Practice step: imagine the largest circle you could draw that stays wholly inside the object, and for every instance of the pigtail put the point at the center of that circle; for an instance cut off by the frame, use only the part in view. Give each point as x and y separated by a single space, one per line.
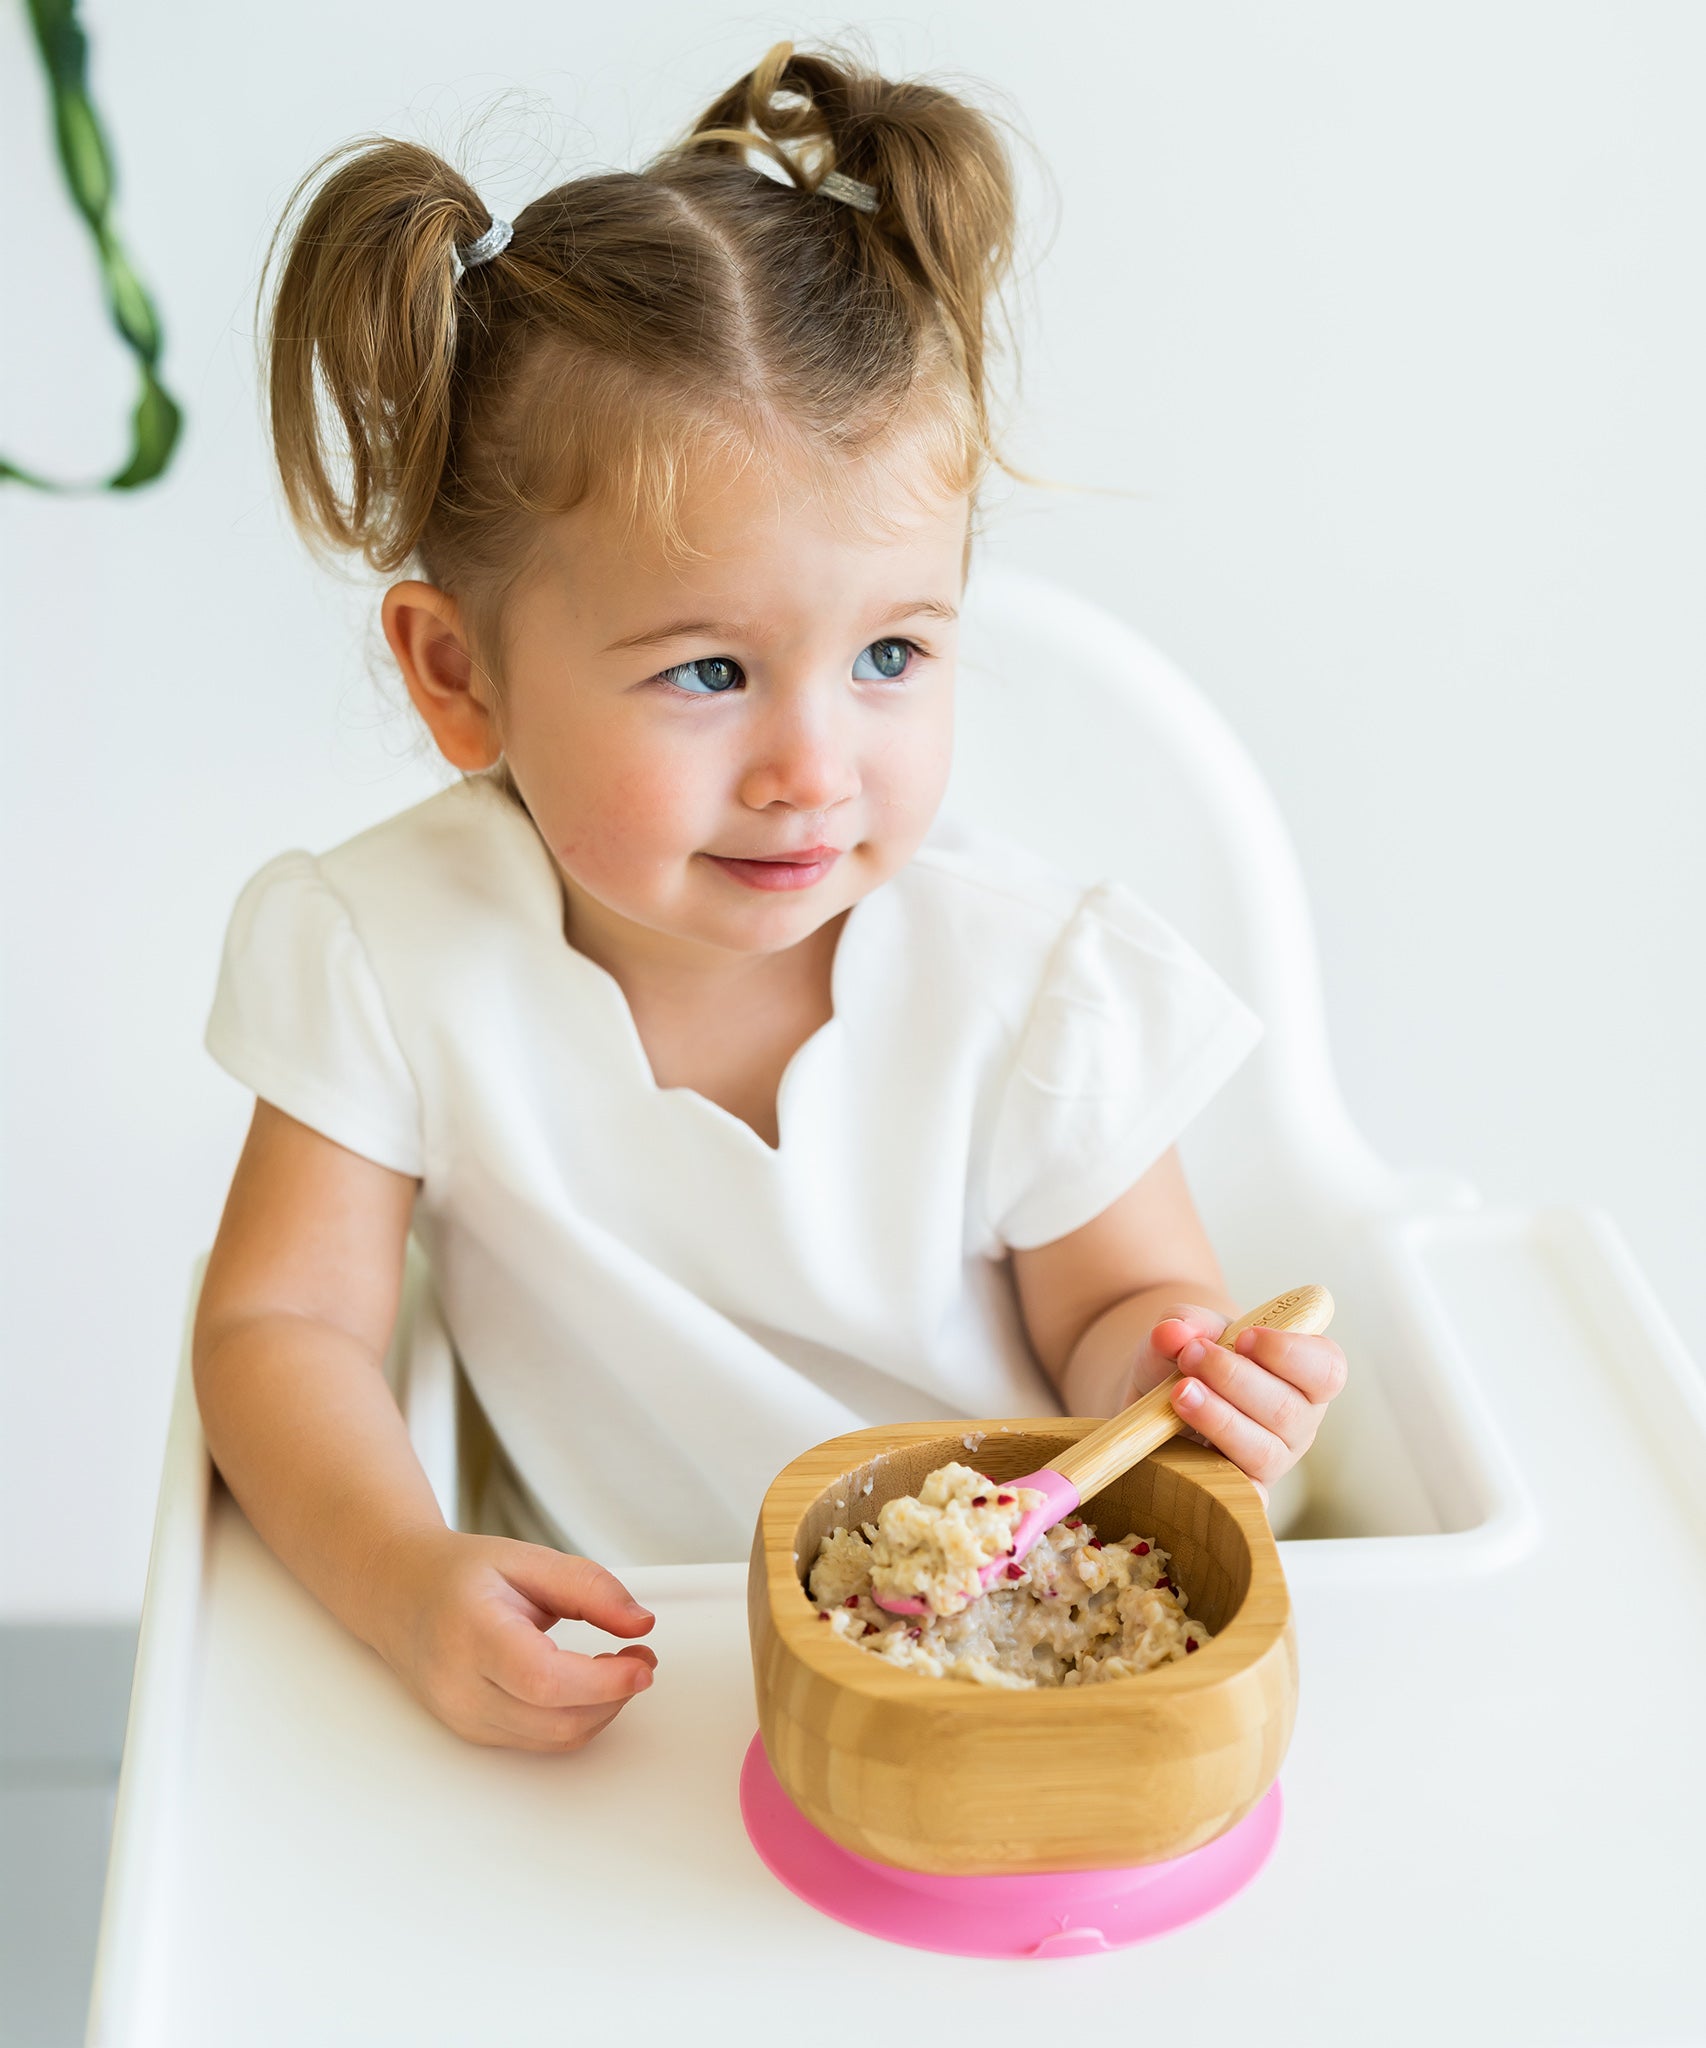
944 227
362 343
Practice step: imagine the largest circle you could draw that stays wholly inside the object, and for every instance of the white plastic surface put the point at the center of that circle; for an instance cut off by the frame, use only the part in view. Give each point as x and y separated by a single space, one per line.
1495 1797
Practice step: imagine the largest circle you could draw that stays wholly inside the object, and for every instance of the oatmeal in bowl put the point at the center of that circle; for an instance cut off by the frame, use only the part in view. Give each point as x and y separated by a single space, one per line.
1077 1609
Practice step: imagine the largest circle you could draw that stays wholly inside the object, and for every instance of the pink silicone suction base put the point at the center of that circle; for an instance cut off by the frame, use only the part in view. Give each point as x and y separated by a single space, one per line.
1059 1913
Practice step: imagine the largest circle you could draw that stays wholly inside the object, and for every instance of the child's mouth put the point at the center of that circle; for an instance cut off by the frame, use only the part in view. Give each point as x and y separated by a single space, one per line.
795 871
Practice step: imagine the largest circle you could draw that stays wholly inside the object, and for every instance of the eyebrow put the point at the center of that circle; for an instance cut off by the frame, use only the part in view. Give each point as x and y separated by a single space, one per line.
723 629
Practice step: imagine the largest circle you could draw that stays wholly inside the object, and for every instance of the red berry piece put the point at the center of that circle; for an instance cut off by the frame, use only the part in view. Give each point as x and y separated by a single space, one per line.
1011 1548
1095 1543
870 1629
1015 1571
1191 1644
916 1634
1072 1522
979 1500
822 1615
1164 1585
1141 1550
1003 1500
852 1600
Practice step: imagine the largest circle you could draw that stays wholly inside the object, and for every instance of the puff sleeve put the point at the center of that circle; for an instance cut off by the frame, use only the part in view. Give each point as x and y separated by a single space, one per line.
299 1017
1131 1034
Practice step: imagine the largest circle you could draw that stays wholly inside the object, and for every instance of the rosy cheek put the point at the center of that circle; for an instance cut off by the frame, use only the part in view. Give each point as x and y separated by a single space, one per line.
651 808
626 820
906 776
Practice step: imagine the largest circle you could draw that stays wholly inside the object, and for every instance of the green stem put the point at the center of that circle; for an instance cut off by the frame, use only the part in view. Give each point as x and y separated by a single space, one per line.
87 165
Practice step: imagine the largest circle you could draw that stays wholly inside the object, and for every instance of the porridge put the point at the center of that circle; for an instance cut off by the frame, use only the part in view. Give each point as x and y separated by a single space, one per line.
1075 1610
932 1546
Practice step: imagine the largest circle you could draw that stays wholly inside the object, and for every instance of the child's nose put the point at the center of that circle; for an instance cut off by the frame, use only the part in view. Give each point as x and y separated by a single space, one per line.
801 760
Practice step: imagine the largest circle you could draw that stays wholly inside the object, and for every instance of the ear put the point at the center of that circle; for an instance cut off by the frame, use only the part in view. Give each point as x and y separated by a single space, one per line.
423 626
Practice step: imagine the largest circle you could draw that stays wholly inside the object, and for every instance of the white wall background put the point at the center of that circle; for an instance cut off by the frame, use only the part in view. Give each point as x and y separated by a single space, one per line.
1392 318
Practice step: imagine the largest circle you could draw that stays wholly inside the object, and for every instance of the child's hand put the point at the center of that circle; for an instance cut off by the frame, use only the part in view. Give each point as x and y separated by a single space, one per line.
1259 1404
464 1627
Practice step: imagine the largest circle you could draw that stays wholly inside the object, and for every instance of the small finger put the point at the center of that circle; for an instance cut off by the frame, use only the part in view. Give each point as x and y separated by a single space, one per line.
516 1725
1314 1365
1263 1396
530 1667
1257 1452
575 1587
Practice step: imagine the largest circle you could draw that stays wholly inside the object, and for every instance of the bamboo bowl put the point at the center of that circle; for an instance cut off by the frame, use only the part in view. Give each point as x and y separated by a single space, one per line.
943 1777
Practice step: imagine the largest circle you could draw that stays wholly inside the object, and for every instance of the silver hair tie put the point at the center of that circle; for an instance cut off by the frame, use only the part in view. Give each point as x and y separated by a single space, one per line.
492 243
852 191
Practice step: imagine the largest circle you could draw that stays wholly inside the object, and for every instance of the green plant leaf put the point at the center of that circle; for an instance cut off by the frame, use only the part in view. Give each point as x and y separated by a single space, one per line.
86 163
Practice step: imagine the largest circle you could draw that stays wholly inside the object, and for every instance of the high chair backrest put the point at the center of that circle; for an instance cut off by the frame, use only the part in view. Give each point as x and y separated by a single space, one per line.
1078 739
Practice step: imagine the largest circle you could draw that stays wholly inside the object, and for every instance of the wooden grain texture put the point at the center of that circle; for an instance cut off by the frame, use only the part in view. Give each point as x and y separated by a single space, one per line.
1105 1452
946 1777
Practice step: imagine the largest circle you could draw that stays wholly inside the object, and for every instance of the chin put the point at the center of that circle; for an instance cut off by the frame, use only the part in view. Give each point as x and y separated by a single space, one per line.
774 931
770 924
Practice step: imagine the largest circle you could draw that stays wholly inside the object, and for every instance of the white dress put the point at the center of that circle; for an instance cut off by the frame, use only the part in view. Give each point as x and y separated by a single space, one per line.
634 1281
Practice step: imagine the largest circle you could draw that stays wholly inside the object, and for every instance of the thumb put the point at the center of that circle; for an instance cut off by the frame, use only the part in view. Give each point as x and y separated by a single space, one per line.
574 1587
1181 1323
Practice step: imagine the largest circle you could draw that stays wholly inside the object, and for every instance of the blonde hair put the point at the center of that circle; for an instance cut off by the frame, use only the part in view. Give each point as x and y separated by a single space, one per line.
636 323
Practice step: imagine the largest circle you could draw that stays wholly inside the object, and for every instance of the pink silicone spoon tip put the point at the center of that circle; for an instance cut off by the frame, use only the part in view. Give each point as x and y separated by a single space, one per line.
1060 1497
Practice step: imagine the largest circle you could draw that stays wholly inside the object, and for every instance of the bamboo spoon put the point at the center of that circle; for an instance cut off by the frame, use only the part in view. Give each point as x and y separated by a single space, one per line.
1091 1463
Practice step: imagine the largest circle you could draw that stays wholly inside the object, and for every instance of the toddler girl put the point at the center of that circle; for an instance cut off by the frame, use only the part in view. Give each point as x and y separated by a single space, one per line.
736 1099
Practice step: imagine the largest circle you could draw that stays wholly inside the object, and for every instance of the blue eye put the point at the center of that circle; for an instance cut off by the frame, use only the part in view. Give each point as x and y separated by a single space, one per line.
889 658
714 676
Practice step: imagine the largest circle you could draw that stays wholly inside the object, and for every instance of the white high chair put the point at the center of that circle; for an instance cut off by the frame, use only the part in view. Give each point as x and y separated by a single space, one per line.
1482 1342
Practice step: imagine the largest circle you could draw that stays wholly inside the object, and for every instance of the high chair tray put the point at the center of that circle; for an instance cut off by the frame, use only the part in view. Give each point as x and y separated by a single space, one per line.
1494 1799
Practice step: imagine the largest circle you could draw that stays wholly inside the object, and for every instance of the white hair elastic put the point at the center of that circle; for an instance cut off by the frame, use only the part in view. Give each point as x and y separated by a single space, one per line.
492 243
851 191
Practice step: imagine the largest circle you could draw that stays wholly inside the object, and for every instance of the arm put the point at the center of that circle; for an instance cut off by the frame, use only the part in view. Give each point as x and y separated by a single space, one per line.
1115 1306
296 1313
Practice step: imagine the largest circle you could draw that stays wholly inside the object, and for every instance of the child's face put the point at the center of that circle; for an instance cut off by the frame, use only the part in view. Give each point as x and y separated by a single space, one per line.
793 756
